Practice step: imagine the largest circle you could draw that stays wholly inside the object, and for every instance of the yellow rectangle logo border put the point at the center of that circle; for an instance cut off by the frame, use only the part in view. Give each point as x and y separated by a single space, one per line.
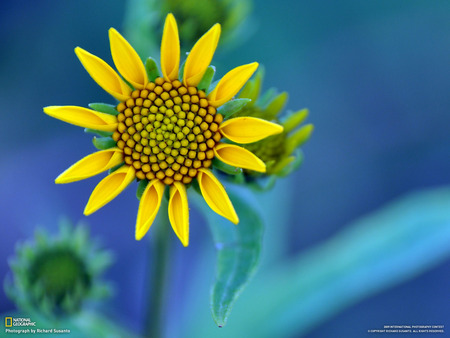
6 321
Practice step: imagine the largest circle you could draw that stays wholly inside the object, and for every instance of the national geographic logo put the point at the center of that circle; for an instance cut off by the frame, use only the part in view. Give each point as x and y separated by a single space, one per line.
8 321
18 321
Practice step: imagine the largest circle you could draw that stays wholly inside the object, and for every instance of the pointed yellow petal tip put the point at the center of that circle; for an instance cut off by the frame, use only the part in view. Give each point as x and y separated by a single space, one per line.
179 212
170 49
108 188
239 157
127 60
215 195
148 207
83 117
200 56
248 129
103 74
91 165
231 84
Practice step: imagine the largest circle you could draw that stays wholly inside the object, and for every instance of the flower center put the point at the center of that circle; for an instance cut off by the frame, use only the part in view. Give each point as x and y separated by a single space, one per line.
167 131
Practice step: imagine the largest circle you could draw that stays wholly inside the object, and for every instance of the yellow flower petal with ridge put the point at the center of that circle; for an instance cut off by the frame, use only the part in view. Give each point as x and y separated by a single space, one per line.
179 212
215 195
248 129
238 157
170 49
108 188
103 74
200 56
231 84
91 165
83 117
148 207
127 60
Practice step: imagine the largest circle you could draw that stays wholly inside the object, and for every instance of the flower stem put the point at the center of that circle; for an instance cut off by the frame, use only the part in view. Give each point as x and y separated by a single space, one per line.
158 275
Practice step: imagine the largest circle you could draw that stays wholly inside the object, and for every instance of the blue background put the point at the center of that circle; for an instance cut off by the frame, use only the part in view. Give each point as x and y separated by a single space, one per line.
374 74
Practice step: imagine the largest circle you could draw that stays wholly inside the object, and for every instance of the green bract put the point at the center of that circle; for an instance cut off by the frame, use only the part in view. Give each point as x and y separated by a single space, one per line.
280 152
55 275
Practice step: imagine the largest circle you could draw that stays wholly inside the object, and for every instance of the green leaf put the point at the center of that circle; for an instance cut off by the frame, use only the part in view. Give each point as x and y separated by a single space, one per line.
102 143
98 132
152 69
232 107
205 82
238 250
388 247
104 108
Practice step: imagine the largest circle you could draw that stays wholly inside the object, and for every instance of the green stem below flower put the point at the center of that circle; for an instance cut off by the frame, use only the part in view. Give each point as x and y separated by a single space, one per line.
159 254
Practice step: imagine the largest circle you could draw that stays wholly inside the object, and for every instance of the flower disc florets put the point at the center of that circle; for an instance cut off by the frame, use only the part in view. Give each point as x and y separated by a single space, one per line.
167 131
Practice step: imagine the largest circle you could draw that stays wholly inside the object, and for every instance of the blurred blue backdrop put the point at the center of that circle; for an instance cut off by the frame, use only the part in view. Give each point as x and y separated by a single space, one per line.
375 76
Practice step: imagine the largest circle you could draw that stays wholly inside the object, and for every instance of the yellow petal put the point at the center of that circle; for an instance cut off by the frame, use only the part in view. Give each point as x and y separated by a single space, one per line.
127 60
148 207
231 83
248 129
91 165
108 188
215 195
179 212
83 117
200 56
103 74
238 157
170 49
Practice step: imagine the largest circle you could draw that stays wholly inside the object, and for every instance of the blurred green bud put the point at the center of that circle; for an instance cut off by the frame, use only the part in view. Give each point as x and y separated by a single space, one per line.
280 152
194 17
55 275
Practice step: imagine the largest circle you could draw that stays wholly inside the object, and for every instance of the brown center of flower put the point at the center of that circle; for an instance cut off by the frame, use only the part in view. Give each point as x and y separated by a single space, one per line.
167 131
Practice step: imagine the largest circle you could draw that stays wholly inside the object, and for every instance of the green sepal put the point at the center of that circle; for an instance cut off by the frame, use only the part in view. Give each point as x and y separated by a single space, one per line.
167 193
181 72
239 178
212 86
196 186
263 184
207 78
289 164
276 105
152 69
298 138
253 88
104 108
102 143
267 97
113 169
226 168
232 107
294 120
140 189
98 132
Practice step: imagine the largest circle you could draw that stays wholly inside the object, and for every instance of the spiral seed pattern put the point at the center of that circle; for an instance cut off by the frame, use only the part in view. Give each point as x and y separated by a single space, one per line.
167 131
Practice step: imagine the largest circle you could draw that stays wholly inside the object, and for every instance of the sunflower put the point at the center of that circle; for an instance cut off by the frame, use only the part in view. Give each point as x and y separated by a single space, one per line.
166 129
